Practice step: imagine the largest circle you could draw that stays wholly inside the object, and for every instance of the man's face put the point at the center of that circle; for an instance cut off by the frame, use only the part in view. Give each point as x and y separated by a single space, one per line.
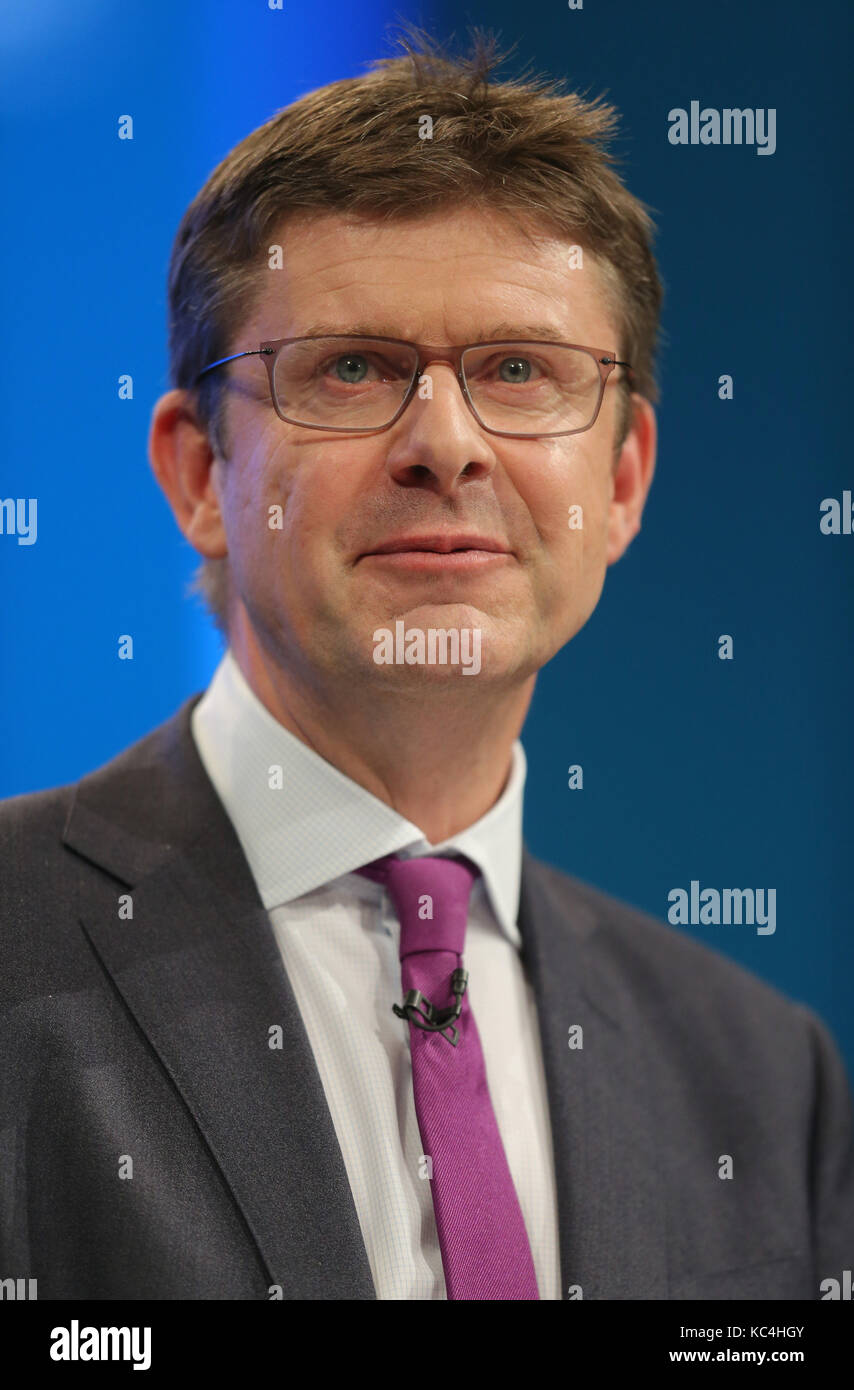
315 590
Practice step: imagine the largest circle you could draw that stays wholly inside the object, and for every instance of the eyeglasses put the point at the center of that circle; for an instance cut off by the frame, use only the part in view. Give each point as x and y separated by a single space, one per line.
362 385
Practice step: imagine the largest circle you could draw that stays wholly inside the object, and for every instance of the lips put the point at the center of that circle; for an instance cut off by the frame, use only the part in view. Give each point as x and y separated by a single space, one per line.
440 544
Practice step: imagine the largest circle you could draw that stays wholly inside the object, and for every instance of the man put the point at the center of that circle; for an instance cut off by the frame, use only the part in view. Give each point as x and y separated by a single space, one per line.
292 1010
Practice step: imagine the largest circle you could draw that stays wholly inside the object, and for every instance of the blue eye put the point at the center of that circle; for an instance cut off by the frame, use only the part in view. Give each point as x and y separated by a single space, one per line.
515 370
349 366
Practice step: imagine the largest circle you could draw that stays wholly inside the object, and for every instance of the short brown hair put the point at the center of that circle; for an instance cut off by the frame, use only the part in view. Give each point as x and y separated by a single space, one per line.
523 147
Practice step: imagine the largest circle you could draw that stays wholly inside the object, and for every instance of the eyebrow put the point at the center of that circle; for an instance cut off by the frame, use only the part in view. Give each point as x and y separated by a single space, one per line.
504 329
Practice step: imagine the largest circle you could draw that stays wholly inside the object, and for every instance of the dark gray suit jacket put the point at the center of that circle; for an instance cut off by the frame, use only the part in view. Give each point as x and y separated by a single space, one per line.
148 1039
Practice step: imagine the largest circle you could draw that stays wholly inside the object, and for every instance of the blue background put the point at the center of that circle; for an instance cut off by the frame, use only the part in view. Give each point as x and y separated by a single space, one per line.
734 773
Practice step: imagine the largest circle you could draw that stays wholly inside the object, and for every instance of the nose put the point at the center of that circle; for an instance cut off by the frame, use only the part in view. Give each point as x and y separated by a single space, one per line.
437 443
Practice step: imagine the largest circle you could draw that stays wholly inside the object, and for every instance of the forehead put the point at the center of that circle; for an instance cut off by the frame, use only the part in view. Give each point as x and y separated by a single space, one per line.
450 277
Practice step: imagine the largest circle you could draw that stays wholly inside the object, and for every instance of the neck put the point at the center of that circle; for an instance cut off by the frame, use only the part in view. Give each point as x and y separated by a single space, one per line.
440 758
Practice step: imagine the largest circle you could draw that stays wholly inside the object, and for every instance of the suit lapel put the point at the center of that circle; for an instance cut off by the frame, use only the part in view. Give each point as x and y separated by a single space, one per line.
199 970
610 1202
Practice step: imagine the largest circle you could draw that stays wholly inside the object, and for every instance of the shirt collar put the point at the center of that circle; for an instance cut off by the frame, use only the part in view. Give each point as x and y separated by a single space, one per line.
302 822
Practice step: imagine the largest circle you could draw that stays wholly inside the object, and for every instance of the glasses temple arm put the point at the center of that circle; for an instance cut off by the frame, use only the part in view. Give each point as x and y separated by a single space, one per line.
255 352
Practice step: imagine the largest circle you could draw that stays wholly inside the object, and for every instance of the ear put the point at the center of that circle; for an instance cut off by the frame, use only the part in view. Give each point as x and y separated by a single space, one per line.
631 478
185 466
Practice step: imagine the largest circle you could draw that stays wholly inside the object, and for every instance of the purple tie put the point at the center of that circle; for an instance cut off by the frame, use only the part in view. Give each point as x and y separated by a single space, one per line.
482 1236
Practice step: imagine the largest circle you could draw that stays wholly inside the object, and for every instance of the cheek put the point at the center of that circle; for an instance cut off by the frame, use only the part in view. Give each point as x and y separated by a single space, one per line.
312 491
256 478
567 495
262 511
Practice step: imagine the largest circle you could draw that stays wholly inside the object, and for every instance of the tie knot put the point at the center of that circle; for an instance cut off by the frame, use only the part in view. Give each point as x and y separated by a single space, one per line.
431 897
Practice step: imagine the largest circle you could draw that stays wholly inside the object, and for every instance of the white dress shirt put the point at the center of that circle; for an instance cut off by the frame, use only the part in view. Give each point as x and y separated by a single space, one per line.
304 831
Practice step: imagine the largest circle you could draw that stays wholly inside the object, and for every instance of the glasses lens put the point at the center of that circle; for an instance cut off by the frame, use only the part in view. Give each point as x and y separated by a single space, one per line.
535 388
343 383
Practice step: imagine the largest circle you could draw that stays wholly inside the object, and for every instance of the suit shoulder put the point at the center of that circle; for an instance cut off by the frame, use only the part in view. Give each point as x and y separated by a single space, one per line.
33 825
705 1016
30 820
663 964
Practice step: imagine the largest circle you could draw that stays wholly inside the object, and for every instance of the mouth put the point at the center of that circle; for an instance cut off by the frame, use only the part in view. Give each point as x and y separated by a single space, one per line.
432 553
